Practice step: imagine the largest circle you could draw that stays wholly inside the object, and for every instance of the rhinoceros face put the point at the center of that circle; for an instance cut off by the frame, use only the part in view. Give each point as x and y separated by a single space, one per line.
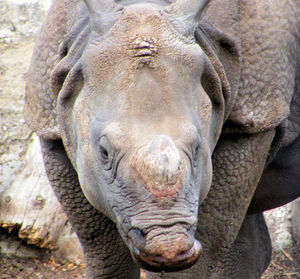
142 131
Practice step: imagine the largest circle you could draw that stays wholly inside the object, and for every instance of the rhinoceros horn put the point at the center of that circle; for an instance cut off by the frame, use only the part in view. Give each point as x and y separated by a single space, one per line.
185 14
103 13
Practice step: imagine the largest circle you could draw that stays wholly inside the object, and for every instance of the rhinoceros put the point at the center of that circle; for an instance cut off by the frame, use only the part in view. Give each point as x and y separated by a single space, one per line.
167 128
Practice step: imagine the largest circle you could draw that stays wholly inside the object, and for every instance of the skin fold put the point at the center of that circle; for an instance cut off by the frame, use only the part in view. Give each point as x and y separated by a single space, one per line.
167 128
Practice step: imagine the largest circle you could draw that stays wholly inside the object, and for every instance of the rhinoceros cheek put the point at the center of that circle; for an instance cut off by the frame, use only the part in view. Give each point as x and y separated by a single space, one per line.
203 180
92 183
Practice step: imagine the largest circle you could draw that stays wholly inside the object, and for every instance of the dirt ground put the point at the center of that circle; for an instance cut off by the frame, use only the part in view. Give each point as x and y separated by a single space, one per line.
285 265
17 268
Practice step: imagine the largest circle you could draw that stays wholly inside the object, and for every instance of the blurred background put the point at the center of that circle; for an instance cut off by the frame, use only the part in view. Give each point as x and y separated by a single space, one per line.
36 240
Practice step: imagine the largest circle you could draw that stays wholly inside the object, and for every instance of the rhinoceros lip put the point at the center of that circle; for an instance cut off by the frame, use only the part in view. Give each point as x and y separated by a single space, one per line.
156 263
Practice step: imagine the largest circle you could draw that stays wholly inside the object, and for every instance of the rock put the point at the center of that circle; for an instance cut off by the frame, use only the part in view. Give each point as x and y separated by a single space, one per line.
296 219
14 133
21 19
284 225
68 246
28 206
11 245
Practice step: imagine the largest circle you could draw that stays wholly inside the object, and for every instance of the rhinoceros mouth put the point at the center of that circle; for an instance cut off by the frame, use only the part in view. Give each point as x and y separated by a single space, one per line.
157 263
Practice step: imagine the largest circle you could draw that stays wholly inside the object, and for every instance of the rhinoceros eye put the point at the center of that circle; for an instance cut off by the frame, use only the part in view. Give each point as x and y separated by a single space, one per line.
106 152
103 153
196 152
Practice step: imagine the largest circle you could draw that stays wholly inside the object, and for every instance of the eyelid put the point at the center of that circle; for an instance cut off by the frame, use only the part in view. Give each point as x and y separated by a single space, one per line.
105 145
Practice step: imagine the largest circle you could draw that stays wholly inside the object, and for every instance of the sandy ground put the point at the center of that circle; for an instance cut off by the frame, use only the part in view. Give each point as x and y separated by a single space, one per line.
285 265
16 268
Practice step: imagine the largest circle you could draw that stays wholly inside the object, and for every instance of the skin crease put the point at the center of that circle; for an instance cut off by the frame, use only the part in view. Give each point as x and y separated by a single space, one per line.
143 85
156 87
99 237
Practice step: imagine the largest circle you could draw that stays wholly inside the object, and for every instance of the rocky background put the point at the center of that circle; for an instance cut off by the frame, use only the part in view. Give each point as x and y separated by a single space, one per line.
27 204
24 186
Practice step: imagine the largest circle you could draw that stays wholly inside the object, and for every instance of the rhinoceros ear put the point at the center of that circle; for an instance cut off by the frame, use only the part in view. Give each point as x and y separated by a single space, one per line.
103 14
185 14
260 88
55 57
40 106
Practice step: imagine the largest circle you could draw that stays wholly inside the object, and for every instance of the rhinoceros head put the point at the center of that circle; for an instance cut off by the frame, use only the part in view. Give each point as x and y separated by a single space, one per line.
140 113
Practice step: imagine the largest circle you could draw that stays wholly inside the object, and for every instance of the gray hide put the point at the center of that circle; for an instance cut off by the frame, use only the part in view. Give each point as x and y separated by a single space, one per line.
167 127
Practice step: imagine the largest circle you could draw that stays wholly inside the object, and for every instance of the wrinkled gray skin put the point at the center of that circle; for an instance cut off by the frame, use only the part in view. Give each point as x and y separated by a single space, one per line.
167 128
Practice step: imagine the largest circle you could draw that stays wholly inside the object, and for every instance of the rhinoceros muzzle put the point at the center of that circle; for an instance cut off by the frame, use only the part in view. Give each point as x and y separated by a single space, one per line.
157 263
166 245
164 249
